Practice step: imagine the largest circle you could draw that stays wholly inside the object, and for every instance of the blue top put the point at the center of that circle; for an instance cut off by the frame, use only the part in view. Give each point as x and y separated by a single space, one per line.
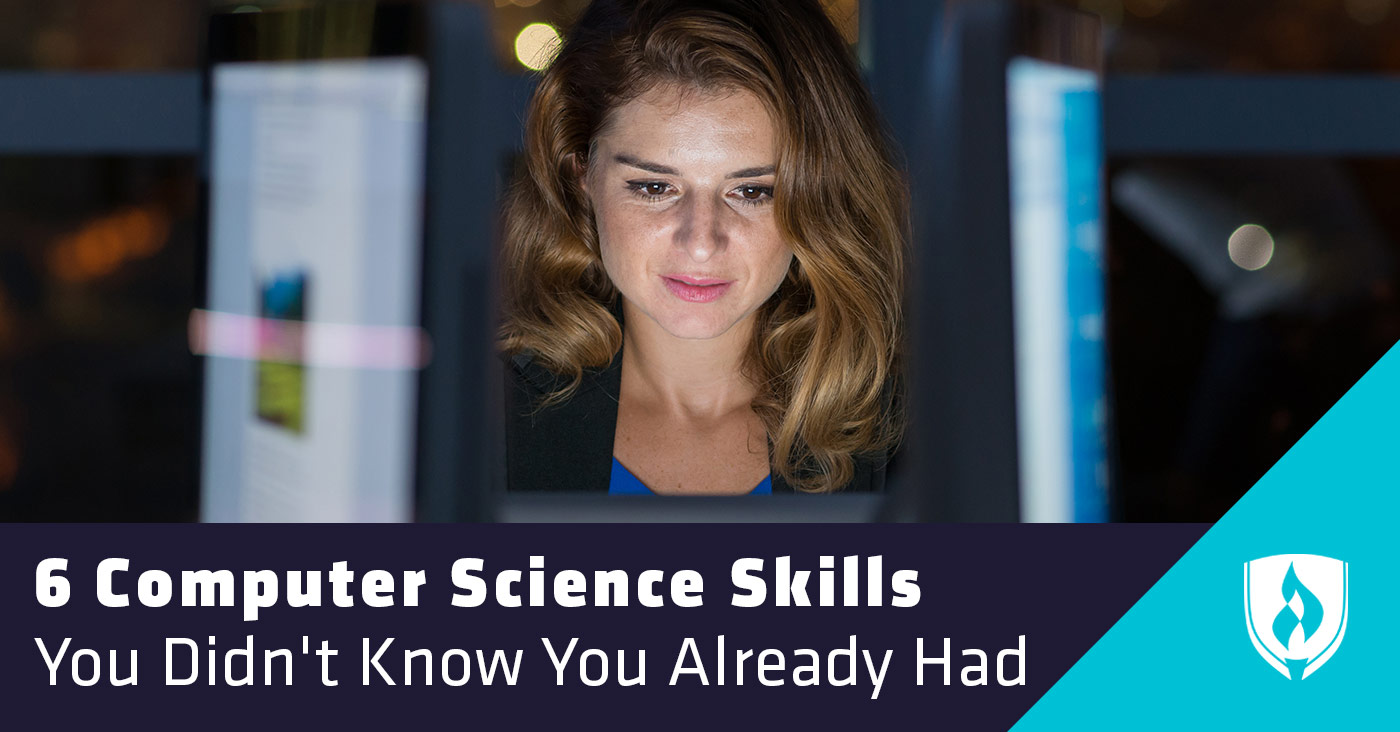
624 483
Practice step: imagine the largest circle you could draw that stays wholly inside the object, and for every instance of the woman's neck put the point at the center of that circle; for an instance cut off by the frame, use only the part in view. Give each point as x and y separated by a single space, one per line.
693 378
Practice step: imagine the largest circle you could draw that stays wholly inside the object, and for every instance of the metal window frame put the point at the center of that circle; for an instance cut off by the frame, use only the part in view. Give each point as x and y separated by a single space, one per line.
152 114
116 113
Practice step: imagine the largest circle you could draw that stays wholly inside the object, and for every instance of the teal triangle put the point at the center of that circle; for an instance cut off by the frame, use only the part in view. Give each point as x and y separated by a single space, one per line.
1182 657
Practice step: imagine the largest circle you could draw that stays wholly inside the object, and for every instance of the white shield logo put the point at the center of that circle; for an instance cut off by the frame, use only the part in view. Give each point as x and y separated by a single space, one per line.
1295 607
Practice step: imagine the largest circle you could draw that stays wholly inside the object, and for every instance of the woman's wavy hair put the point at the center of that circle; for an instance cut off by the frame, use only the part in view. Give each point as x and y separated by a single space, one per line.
826 348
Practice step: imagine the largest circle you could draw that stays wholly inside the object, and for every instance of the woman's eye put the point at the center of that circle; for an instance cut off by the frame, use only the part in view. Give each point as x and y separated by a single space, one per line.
754 194
649 188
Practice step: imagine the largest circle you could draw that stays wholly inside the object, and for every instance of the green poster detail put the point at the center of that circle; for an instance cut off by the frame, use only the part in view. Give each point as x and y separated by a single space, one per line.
1283 615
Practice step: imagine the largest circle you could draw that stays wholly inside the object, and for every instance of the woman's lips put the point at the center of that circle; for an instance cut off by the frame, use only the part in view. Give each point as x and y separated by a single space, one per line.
696 289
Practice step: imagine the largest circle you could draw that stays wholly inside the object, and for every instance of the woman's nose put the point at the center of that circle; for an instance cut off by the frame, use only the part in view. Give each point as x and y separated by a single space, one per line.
702 231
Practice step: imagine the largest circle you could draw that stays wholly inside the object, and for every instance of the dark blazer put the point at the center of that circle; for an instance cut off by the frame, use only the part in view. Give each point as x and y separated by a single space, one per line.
569 447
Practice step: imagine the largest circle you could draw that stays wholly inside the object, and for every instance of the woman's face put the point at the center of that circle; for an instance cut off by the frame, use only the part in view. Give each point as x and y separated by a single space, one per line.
681 183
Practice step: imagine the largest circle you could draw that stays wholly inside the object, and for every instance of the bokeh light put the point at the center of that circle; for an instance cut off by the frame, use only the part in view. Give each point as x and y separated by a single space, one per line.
536 45
102 246
1251 247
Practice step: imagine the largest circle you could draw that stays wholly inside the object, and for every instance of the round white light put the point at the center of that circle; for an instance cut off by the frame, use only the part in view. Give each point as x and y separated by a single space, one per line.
536 45
1251 247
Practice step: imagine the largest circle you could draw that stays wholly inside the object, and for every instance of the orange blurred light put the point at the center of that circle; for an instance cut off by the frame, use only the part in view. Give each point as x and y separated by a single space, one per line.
105 244
99 251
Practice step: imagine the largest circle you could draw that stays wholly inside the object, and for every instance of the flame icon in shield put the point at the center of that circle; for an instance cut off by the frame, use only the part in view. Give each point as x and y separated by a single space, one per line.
1295 608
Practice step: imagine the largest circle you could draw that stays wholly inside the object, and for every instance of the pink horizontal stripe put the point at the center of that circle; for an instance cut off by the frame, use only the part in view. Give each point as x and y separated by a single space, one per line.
332 345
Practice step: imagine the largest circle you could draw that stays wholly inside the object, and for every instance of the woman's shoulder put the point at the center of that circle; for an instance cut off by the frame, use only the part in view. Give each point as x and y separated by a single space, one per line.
870 472
559 445
527 372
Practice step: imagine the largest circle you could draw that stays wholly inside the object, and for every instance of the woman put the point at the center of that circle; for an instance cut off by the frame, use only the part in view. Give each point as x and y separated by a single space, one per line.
704 263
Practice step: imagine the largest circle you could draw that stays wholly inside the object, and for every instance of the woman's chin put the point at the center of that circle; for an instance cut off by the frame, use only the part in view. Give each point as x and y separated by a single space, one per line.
694 326
697 333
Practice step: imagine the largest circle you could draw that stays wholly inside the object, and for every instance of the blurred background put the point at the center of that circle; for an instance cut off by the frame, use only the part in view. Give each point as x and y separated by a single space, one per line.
1251 241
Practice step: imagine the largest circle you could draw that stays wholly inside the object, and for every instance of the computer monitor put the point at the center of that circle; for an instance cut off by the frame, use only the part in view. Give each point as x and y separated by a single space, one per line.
348 314
1010 417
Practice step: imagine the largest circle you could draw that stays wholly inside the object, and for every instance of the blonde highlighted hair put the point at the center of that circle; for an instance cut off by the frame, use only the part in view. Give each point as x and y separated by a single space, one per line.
826 350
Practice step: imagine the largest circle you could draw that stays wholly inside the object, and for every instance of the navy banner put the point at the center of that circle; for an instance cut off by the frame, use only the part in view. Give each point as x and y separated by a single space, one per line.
962 626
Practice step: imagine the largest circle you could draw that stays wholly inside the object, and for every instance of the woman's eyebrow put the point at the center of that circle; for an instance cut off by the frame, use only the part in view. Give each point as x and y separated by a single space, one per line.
660 169
644 165
754 172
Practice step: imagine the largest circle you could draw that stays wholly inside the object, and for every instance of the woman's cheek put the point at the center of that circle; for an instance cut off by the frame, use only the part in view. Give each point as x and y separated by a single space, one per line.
621 238
640 233
780 272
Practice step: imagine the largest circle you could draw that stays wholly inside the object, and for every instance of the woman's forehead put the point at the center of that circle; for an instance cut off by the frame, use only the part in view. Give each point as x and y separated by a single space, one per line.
676 125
